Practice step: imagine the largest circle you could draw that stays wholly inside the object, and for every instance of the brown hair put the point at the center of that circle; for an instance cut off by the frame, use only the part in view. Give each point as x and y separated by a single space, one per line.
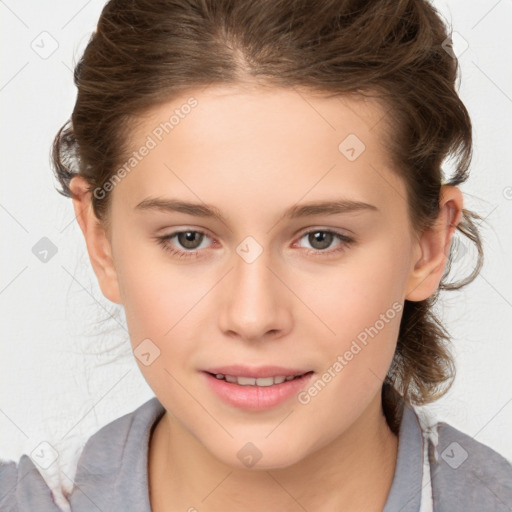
145 52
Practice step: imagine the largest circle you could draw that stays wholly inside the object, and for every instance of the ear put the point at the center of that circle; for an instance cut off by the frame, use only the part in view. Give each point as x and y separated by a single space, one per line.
434 246
98 243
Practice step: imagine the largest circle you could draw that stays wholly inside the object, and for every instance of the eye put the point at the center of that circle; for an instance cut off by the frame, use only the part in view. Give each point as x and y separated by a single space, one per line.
321 239
190 240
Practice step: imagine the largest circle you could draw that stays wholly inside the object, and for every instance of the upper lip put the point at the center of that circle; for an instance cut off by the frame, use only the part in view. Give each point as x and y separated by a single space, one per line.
256 372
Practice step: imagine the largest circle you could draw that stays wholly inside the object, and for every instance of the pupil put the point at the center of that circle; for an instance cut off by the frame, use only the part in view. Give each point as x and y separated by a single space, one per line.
321 237
186 239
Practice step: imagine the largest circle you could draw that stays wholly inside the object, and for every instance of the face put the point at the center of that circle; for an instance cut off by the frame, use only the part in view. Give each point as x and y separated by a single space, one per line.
266 287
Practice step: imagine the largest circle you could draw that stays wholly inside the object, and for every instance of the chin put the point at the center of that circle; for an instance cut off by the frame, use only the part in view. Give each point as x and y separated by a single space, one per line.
254 456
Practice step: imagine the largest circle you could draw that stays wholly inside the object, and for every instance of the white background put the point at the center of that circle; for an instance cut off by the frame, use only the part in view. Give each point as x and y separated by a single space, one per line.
57 383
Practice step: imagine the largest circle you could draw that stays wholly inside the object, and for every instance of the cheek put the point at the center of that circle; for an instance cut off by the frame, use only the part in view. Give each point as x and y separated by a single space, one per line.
159 309
352 295
361 303
160 306
156 293
160 301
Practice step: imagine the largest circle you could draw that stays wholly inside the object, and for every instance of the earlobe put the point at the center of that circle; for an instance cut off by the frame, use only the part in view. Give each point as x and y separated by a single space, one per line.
433 247
98 245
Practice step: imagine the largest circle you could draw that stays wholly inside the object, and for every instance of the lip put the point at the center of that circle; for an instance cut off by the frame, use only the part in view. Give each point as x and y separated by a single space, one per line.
256 398
256 372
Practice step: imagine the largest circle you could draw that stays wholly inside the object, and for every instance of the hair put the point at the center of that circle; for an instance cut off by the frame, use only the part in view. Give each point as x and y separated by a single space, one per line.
147 52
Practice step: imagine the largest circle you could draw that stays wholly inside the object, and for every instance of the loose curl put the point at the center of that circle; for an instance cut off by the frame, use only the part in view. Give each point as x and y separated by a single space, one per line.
146 52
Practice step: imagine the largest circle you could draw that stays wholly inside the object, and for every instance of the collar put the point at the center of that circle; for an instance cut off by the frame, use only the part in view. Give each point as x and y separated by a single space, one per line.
112 469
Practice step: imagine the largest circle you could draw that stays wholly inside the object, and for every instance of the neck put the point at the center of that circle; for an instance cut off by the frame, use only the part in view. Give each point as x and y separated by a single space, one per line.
183 474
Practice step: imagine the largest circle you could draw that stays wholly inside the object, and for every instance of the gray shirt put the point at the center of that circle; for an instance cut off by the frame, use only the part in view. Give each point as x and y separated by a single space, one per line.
443 470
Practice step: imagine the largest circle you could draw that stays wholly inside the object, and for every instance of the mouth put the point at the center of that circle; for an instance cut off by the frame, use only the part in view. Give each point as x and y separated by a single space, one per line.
257 381
254 389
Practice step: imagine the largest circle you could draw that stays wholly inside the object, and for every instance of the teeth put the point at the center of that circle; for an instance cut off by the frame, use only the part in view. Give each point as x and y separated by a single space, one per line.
246 381
267 381
252 381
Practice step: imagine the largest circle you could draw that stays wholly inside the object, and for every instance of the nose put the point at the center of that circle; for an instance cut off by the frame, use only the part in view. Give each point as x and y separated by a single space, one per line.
255 303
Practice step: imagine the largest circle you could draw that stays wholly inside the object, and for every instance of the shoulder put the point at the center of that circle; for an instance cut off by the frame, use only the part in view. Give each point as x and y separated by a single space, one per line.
23 488
467 474
112 468
106 450
104 472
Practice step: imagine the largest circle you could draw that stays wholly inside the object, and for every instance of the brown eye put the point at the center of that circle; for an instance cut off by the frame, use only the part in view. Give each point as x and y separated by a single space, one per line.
321 242
190 239
183 244
320 239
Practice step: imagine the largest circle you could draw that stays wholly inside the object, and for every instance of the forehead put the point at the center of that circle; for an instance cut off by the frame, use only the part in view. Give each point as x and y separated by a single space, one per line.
225 112
251 109
262 143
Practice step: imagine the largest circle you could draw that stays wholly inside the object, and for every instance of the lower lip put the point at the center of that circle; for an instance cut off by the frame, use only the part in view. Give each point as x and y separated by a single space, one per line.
256 398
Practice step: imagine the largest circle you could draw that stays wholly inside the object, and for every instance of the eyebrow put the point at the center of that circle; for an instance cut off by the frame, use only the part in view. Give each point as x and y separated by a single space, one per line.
339 206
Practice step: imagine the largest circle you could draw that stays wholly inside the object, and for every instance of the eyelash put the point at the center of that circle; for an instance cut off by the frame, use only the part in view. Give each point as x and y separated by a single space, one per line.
164 242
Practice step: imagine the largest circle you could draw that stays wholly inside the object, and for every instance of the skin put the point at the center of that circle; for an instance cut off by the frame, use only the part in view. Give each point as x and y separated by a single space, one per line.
252 153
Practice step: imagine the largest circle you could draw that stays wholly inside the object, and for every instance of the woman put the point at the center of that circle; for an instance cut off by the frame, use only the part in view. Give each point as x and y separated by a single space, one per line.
260 185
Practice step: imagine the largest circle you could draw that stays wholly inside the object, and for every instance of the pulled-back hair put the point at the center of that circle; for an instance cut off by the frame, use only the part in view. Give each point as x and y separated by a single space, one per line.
146 52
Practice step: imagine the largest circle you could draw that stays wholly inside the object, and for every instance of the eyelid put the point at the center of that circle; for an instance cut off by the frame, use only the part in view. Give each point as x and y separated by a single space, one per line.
345 240
326 229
